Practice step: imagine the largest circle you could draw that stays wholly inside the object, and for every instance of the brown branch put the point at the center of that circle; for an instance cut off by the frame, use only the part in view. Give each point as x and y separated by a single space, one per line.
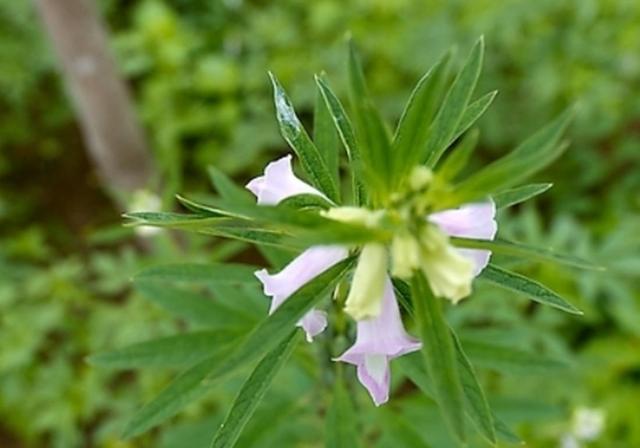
113 137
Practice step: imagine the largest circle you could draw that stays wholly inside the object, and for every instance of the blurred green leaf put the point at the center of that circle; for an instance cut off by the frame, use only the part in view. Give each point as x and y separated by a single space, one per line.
341 424
267 335
178 350
459 157
511 360
252 392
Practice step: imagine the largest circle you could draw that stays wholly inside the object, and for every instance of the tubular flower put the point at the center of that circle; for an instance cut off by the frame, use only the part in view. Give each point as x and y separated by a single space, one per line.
378 341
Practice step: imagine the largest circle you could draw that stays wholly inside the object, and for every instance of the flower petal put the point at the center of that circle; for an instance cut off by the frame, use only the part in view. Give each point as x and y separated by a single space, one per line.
374 375
305 267
470 221
279 183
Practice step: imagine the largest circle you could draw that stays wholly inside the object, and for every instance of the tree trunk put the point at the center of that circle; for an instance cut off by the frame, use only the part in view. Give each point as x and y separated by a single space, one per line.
113 136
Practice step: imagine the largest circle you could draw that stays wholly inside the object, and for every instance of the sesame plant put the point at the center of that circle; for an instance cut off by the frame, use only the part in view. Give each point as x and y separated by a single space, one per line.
370 248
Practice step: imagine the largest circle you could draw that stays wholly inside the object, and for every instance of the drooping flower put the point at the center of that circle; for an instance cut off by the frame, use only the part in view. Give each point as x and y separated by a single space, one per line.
304 268
278 183
378 341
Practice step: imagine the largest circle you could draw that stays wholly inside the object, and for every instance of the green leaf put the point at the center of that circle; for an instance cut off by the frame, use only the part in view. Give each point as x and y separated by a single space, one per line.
472 113
530 157
401 431
454 106
252 392
297 137
325 136
185 388
370 129
179 350
438 349
513 196
306 201
200 273
347 137
413 366
413 127
341 421
511 360
272 331
477 404
523 250
173 220
459 157
527 287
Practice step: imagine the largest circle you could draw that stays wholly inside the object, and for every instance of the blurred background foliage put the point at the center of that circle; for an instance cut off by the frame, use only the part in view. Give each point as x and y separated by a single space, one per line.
197 69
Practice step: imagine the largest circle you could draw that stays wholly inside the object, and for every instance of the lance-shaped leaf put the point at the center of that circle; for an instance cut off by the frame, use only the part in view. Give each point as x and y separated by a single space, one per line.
252 392
272 331
179 350
472 113
531 156
199 273
527 287
342 420
325 136
306 200
172 220
370 129
514 196
525 251
414 125
454 106
297 137
438 349
192 306
413 366
347 137
475 398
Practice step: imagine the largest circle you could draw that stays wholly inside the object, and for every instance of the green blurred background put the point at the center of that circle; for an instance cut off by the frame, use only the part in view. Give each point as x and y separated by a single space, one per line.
197 71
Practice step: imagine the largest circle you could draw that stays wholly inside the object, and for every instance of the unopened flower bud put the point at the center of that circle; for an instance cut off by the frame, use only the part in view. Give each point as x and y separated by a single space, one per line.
367 288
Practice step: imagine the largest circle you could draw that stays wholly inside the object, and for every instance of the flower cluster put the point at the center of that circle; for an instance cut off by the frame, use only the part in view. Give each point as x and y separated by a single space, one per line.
421 242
